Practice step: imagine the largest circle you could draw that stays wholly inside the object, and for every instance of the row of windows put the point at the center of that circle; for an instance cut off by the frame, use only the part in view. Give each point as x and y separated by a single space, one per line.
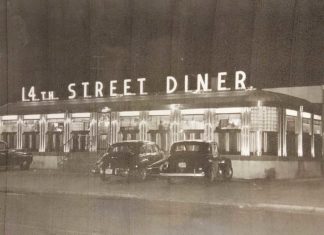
225 130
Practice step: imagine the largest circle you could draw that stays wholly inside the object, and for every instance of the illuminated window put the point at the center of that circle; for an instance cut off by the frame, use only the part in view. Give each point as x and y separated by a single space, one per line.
129 126
264 119
317 127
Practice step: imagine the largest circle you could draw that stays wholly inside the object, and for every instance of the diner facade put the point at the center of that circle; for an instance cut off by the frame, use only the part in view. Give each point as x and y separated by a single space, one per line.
243 123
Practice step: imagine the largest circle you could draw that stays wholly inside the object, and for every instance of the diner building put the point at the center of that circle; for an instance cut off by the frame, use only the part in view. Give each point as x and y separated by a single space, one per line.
247 124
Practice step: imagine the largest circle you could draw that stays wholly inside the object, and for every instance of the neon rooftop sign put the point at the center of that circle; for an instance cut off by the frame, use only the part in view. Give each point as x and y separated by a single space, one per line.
100 89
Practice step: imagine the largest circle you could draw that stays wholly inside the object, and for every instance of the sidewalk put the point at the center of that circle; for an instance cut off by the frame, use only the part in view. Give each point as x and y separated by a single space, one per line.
301 195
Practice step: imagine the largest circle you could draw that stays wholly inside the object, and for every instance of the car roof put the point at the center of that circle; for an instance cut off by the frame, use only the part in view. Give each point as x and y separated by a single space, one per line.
194 141
134 141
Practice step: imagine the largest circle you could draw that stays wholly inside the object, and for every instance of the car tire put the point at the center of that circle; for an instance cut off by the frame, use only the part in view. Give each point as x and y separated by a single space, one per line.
25 165
212 173
142 174
228 174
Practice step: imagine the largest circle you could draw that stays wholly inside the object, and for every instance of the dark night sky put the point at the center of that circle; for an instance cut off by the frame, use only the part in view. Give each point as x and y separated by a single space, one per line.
51 43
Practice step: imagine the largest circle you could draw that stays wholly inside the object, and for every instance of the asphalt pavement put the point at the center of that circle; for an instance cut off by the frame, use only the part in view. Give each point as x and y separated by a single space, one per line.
33 214
54 202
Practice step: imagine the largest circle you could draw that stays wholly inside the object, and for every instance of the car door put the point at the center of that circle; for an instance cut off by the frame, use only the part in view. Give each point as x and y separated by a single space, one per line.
158 155
3 154
150 153
144 155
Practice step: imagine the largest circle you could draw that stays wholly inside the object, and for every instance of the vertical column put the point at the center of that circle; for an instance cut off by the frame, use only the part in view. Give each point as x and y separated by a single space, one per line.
114 127
259 143
20 132
265 141
260 118
175 125
67 133
300 132
227 142
322 131
42 133
143 125
312 136
93 132
282 132
208 119
1 130
108 123
245 131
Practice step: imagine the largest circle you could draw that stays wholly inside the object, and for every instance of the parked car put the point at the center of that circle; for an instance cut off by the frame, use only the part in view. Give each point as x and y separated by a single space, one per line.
131 159
196 158
14 157
95 169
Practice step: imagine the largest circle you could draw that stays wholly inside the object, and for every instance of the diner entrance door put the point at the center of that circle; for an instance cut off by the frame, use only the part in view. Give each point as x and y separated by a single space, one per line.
228 141
193 134
30 141
10 138
80 141
160 137
54 141
129 133
291 143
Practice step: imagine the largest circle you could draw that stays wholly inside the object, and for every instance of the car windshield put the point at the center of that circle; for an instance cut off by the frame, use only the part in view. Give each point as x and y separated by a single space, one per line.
125 148
190 147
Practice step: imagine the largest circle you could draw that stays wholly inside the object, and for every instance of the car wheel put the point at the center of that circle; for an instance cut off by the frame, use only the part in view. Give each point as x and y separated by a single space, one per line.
228 174
24 165
142 174
212 173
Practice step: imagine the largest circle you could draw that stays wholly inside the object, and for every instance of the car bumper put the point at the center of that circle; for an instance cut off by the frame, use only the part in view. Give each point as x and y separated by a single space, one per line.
117 172
202 174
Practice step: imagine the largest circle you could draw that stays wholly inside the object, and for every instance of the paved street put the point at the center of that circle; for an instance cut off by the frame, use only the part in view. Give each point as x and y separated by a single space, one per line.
51 202
57 214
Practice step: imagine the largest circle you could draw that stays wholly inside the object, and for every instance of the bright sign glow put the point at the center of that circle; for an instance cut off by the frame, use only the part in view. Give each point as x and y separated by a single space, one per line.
291 112
160 113
9 117
32 117
129 113
55 116
193 111
317 117
306 115
228 110
80 115
202 83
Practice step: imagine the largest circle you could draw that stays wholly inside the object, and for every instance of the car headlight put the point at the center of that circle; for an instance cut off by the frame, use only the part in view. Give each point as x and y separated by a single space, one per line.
164 166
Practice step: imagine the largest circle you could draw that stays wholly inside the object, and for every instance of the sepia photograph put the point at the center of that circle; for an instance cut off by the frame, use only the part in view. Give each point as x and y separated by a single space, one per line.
161 117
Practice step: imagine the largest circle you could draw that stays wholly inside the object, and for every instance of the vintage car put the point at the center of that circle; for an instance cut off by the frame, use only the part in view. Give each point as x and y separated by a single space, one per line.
135 159
196 158
14 157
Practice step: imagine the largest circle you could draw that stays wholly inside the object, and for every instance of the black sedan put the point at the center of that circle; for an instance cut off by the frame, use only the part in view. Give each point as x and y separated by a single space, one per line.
196 158
14 157
131 159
